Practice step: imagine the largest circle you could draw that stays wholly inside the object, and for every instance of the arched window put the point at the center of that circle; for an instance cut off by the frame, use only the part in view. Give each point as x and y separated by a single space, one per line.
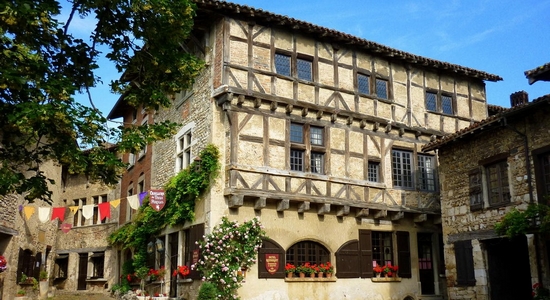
307 251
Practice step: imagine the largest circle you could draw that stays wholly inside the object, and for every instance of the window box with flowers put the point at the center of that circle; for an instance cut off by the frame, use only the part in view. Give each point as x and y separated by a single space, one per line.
181 273
310 273
157 275
387 273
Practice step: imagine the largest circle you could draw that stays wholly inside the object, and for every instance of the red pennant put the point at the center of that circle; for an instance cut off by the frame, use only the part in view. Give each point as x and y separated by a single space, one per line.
66 227
58 212
104 210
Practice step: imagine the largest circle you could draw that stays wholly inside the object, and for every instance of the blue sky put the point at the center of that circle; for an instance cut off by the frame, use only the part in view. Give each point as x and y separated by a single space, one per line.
502 37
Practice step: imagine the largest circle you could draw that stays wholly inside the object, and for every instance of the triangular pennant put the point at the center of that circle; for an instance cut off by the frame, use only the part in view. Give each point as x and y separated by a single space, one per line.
73 209
43 214
115 203
133 201
104 210
28 211
58 212
142 196
88 211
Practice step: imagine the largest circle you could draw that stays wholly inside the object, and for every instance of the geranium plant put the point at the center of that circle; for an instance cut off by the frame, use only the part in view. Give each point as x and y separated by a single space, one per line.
378 269
3 263
157 274
181 271
326 268
306 268
290 268
229 249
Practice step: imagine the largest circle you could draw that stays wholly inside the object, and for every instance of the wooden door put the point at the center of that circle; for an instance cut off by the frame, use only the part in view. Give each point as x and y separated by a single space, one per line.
426 264
173 244
82 271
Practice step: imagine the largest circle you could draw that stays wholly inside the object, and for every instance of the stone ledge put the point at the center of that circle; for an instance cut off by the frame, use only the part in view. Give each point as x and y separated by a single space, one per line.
310 279
386 279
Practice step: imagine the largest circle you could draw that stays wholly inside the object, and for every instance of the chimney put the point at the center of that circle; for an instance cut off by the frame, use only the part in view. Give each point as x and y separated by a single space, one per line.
519 98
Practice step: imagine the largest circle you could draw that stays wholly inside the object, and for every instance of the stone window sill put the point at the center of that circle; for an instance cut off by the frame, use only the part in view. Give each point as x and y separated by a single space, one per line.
386 279
310 279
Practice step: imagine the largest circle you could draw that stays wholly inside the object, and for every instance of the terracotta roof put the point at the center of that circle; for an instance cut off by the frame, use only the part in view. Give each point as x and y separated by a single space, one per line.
538 73
495 109
492 120
323 33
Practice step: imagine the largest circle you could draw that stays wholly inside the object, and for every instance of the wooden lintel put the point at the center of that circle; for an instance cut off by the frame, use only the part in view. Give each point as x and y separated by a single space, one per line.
304 206
257 103
437 220
235 201
362 213
283 205
343 211
260 203
380 214
419 218
397 215
323 209
240 100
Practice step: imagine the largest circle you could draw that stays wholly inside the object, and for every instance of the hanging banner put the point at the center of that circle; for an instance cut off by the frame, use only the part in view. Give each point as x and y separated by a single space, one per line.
157 199
272 262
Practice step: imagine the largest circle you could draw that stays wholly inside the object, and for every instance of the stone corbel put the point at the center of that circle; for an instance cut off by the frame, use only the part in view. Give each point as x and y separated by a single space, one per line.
323 209
235 201
380 214
343 211
362 213
304 206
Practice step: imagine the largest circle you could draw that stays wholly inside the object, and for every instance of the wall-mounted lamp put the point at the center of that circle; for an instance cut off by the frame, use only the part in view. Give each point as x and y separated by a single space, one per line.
150 247
198 162
160 245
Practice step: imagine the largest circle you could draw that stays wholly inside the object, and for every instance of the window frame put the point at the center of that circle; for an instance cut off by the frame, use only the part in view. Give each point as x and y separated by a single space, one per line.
464 259
373 171
308 146
377 91
500 185
289 65
380 247
425 172
475 184
367 77
184 147
439 102
97 260
307 251
404 178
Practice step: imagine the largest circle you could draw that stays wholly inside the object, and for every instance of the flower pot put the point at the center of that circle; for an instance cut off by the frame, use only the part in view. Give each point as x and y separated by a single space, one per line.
320 274
386 275
44 286
377 275
312 275
329 275
289 275
302 275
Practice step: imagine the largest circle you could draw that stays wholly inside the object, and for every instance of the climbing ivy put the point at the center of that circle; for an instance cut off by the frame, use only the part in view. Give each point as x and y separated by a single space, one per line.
181 193
535 219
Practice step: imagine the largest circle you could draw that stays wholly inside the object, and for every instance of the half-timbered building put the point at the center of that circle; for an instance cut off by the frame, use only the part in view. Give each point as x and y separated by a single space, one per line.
321 135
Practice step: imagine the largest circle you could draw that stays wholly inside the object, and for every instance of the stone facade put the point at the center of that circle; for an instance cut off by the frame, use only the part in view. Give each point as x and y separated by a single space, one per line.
503 137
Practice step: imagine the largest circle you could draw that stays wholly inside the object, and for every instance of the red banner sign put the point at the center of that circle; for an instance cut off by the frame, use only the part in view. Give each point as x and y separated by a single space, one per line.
272 263
157 199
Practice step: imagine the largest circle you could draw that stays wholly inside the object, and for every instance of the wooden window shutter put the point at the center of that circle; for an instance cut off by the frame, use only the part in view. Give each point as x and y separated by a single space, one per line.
365 253
347 260
404 254
37 264
464 263
20 265
195 234
271 247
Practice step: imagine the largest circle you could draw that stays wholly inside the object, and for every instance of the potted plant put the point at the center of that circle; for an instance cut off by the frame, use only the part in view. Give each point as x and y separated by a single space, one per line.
327 269
390 271
378 270
20 293
290 269
44 284
158 274
181 271
305 269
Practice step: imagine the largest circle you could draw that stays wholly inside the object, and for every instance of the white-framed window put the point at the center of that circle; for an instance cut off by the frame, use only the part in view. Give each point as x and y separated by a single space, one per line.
184 142
307 142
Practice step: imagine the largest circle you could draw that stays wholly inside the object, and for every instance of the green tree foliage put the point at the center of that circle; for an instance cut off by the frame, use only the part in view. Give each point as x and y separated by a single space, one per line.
42 67
535 219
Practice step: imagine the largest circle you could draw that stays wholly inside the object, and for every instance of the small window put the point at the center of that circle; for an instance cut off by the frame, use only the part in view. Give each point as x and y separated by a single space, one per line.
426 172
382 88
296 160
317 162
402 169
363 84
282 64
439 103
382 248
297 133
98 262
142 152
447 104
183 149
316 136
61 267
304 69
497 183
307 151
373 171
131 159
431 101
476 192
307 251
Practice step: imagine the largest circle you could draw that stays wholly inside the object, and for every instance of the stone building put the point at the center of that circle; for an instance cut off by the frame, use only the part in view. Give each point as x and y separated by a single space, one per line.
321 135
31 241
486 170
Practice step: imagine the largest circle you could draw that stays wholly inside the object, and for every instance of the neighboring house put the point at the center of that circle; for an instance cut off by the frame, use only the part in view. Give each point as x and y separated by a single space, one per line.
79 259
321 135
487 169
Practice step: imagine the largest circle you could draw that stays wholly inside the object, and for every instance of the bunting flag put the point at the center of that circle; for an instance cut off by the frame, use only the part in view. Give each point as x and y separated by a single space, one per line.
66 227
88 211
133 201
115 203
104 210
28 211
44 213
20 207
142 196
58 212
73 209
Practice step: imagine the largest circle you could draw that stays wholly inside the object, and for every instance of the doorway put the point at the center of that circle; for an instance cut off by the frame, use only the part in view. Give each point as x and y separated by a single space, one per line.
509 270
425 264
82 271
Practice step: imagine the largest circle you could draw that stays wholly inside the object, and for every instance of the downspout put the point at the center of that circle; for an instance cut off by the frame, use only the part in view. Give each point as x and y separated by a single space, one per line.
530 186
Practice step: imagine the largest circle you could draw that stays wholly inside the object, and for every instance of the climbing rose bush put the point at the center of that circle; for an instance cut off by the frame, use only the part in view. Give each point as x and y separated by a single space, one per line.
230 248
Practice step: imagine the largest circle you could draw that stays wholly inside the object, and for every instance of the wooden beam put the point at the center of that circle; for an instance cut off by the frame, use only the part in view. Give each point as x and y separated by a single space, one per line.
319 114
273 106
289 108
283 205
343 211
362 213
323 209
380 214
397 215
304 206
260 203
419 218
240 100
235 201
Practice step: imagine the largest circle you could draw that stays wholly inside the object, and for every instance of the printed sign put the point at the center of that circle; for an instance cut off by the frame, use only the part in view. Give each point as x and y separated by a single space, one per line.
271 263
157 199
195 256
